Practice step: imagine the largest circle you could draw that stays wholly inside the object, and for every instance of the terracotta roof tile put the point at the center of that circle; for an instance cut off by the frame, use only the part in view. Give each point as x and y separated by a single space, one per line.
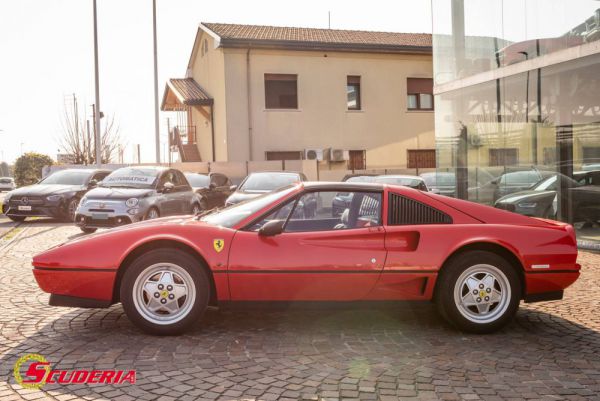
188 90
236 35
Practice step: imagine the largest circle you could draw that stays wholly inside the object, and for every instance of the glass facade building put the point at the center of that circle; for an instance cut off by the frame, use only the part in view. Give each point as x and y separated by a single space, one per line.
517 95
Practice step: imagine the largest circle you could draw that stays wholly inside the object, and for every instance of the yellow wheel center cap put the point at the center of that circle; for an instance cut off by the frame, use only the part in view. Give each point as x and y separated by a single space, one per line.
164 293
482 293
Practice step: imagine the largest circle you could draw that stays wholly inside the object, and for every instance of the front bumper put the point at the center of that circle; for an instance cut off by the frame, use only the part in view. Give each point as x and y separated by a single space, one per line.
94 284
42 210
99 214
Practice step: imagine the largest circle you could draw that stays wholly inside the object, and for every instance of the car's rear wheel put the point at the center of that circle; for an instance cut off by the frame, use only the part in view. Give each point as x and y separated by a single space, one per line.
478 292
152 214
165 291
17 218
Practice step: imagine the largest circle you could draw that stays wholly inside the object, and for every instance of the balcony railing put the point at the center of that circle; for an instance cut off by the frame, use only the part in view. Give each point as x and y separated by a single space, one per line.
182 135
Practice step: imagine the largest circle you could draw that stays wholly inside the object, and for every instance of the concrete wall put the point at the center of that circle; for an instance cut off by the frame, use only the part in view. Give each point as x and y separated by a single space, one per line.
209 71
384 127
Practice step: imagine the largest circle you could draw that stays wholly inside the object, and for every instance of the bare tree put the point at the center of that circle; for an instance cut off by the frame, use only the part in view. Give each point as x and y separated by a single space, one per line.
78 139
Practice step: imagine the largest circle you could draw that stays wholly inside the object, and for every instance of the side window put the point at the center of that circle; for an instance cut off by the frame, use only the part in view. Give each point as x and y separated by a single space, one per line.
219 180
100 176
328 210
167 176
281 213
181 180
406 211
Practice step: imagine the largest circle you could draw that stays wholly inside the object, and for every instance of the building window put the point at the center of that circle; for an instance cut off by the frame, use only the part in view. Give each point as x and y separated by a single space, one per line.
357 159
504 157
353 92
284 155
421 158
281 91
419 94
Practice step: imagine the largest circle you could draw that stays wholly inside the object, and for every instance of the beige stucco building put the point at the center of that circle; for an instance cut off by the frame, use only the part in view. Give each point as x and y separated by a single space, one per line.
355 99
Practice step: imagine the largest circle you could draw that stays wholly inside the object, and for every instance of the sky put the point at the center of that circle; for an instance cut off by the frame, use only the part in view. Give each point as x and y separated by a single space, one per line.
47 55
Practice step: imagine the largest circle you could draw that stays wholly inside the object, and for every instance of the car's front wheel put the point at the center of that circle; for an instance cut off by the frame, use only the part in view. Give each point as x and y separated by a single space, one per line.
152 214
165 291
17 218
478 292
69 215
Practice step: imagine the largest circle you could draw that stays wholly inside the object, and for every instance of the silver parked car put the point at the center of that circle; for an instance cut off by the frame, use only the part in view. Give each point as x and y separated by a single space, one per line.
7 184
132 194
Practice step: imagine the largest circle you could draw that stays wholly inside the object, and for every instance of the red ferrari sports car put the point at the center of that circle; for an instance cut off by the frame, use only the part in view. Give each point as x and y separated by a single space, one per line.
390 244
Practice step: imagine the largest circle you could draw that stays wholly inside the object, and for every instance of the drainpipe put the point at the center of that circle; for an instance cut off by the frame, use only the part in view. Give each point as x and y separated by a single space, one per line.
249 104
212 130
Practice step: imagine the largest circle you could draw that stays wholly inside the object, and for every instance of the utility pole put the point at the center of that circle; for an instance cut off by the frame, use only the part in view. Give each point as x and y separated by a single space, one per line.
88 155
97 89
156 125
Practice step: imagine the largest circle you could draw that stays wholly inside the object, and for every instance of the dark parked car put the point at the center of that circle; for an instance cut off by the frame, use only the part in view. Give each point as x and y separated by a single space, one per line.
505 184
213 189
56 196
541 199
442 183
132 194
256 184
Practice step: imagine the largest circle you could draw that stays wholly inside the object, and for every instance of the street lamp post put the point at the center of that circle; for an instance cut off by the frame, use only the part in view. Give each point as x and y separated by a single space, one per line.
97 90
156 125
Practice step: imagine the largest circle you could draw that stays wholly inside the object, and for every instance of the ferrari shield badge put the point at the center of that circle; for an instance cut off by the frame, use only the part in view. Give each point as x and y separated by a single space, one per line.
218 244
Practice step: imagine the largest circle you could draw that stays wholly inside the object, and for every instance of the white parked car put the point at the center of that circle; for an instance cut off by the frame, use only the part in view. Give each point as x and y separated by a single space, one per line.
7 184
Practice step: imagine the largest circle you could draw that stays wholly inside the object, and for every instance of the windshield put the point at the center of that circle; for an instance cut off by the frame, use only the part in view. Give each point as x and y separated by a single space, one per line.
130 177
404 181
436 179
265 182
233 215
550 183
197 180
67 177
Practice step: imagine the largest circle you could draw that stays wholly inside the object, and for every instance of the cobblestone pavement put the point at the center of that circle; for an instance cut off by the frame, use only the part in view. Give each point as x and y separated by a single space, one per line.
551 351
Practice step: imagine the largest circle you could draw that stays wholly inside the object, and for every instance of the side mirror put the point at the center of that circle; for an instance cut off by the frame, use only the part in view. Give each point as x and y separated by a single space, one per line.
272 228
168 187
233 187
92 184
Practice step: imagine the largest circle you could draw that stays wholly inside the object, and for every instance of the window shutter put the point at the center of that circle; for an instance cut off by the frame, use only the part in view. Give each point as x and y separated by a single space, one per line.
419 85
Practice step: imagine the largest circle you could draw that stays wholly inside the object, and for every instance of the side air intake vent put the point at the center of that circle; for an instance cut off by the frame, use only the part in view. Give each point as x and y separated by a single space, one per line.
405 211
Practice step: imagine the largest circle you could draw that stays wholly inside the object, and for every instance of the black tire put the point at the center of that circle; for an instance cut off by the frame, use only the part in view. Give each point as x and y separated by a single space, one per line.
88 230
18 219
172 256
203 204
147 216
69 215
196 208
451 273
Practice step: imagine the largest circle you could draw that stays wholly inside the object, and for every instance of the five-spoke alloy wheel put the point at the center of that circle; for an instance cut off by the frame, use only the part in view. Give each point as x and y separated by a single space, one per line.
165 291
478 291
